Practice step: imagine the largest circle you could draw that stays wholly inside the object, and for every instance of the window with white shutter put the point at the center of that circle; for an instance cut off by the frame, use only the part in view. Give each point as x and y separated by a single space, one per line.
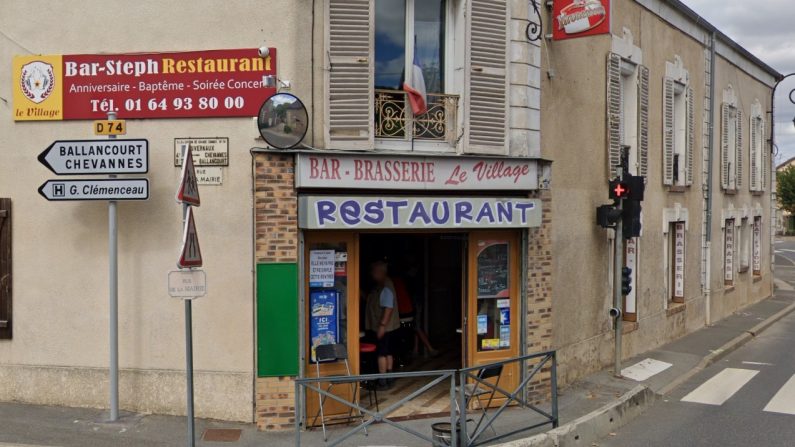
738 141
349 74
730 143
487 77
678 125
756 155
627 114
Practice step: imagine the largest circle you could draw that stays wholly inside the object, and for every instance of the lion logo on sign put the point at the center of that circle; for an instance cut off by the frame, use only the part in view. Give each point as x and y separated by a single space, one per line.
37 81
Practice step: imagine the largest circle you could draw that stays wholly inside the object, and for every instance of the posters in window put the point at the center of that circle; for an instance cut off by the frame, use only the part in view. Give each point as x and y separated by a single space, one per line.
321 268
679 260
728 253
631 261
757 250
324 320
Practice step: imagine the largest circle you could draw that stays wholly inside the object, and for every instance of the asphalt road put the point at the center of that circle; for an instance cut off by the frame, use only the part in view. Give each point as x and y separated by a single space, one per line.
746 399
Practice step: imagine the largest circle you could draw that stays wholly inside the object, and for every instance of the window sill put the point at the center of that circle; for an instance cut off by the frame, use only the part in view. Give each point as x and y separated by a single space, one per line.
731 192
675 308
729 288
757 193
629 327
677 188
757 278
743 270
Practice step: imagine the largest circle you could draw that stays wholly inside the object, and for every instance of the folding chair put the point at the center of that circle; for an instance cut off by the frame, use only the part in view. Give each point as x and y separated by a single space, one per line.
327 354
475 391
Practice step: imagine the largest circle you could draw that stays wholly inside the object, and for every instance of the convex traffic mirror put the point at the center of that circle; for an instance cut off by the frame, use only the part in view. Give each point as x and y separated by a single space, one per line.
283 121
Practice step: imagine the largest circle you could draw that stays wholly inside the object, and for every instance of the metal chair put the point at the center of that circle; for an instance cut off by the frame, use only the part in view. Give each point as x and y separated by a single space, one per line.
474 390
327 354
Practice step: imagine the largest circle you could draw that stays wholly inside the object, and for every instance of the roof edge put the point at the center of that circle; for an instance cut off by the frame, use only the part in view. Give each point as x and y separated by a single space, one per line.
694 16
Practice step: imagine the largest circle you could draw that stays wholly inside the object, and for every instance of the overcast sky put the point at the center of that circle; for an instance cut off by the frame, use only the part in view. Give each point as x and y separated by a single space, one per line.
767 29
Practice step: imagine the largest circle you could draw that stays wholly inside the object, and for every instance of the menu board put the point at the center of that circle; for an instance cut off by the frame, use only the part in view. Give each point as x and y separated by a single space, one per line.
493 270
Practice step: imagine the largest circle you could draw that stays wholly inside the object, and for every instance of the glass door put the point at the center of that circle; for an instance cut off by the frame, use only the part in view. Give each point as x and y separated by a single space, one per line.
331 291
493 302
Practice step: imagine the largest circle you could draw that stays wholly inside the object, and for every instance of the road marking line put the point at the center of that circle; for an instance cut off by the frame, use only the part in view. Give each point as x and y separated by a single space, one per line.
721 386
782 285
644 369
784 400
758 363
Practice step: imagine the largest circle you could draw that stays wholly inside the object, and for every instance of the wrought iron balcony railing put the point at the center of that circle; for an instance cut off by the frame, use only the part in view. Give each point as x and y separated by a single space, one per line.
394 119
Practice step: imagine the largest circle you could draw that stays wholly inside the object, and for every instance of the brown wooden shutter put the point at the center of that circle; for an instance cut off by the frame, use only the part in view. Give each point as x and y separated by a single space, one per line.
349 74
613 112
724 146
691 134
5 268
754 186
487 77
643 121
668 131
739 152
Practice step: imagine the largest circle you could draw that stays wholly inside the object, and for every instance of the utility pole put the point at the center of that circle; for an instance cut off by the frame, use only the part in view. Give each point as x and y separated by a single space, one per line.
618 258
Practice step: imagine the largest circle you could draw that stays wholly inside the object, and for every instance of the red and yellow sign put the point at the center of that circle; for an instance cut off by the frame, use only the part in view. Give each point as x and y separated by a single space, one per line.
194 84
580 18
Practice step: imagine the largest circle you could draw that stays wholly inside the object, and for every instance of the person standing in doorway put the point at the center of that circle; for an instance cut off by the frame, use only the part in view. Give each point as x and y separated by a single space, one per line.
382 318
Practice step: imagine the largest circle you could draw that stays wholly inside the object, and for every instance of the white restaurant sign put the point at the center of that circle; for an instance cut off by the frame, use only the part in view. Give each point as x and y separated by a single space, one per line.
412 172
757 249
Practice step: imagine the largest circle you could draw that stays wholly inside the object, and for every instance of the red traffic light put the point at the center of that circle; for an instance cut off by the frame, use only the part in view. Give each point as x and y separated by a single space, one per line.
619 189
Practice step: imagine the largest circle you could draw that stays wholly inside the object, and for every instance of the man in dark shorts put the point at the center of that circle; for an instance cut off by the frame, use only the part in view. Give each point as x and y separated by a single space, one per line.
381 317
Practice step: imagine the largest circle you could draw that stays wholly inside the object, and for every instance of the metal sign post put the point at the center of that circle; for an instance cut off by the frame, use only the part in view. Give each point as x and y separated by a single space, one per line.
190 257
113 298
618 298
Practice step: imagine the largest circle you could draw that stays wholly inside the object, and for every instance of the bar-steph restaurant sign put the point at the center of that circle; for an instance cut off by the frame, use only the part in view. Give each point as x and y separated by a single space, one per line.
212 83
353 171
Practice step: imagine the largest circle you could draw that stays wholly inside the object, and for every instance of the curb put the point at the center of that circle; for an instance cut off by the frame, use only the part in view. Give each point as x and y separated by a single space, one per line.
727 348
597 424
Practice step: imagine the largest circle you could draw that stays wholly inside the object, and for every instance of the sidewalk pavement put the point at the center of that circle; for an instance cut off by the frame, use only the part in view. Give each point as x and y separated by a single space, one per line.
589 409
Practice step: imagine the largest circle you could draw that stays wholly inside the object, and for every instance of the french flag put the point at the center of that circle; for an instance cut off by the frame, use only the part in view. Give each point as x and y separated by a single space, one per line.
416 90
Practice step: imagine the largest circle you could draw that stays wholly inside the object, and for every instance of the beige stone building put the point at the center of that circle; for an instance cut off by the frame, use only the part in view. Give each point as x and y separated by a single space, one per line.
693 108
454 194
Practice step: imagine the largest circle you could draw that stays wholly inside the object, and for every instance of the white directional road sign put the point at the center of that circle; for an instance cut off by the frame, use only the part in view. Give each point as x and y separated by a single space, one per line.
96 189
187 283
83 157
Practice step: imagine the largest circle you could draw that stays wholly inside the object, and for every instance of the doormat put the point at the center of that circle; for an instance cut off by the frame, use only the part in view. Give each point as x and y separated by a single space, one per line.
222 434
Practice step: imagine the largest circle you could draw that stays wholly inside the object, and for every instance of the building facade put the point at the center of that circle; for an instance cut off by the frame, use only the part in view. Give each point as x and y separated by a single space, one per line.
458 191
692 109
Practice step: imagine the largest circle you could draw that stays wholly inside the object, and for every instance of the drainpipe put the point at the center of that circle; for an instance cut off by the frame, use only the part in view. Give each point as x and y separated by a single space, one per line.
710 158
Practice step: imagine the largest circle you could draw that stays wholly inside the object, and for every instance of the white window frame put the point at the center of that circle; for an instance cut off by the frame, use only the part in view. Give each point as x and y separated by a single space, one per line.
631 60
453 78
744 239
730 130
680 78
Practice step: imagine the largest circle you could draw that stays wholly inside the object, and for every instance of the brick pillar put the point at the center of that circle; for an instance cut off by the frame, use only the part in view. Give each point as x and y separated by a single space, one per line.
539 295
276 228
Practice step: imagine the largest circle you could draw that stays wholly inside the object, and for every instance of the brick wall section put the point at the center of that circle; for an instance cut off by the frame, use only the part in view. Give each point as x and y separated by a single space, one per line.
539 295
276 226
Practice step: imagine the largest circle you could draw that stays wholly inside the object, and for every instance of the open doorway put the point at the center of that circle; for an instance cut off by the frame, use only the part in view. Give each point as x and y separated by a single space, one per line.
427 273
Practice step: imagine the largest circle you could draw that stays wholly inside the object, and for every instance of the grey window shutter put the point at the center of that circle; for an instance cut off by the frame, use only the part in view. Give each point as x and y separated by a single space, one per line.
643 120
739 152
765 156
613 112
724 147
5 268
691 134
349 75
487 77
754 186
668 131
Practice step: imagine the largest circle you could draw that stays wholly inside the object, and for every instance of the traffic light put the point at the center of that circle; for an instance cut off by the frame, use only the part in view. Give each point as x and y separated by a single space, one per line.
607 216
626 280
630 187
631 223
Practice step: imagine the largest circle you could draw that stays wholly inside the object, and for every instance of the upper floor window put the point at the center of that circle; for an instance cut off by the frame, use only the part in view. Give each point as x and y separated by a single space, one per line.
627 106
410 71
731 142
758 155
678 126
